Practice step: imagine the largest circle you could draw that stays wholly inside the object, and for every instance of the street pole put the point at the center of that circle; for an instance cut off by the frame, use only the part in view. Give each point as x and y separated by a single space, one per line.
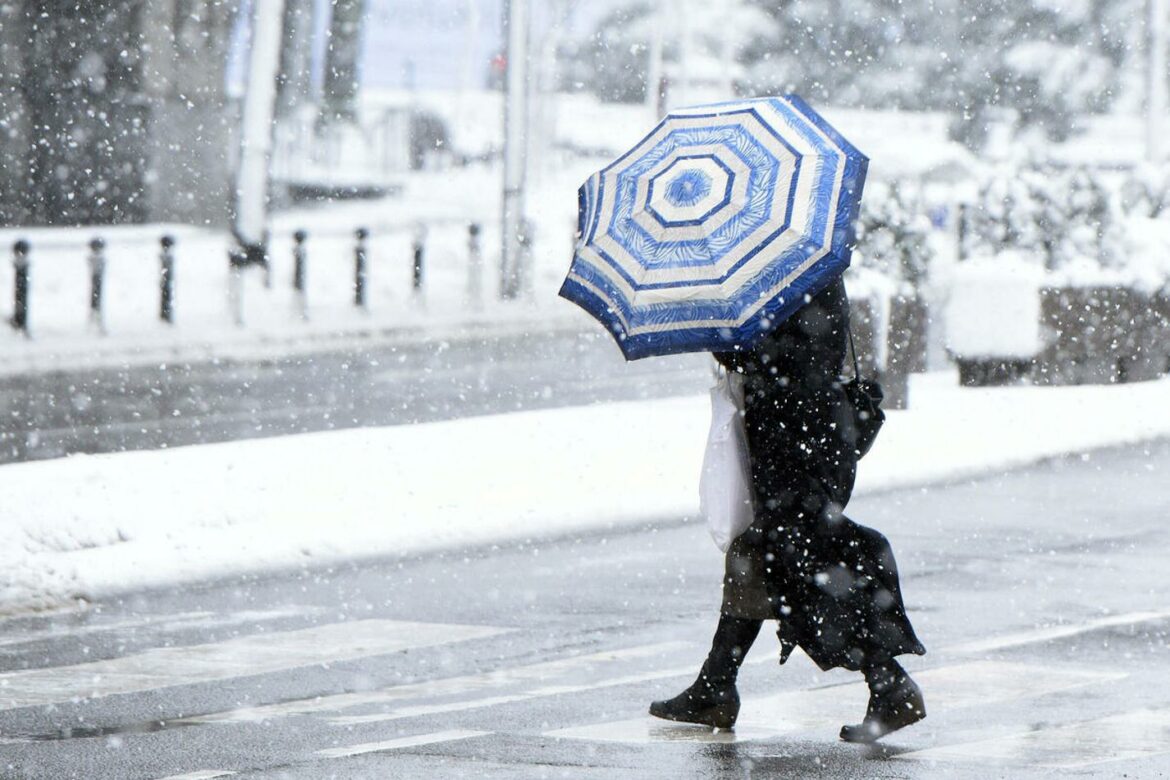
1156 79
339 102
294 77
680 81
543 89
515 145
251 194
654 63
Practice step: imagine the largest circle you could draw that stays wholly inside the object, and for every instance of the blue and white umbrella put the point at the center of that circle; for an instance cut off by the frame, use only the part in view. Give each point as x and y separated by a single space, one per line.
716 226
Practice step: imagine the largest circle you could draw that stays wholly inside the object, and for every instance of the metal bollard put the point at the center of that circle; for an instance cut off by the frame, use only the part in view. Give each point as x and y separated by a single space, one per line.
962 228
474 266
359 271
525 284
166 309
420 238
299 260
237 261
21 263
97 273
300 256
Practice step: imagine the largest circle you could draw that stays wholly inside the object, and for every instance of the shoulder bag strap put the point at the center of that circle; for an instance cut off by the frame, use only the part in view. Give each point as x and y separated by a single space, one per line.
853 351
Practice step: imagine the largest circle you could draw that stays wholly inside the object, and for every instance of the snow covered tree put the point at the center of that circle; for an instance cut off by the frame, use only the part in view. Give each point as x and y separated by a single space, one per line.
1037 62
866 53
339 93
1005 216
611 62
293 80
892 236
1146 191
114 110
1043 61
14 120
1088 218
82 78
1059 216
697 38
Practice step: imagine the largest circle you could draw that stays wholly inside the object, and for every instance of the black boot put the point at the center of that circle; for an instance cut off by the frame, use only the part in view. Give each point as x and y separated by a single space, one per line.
712 699
895 701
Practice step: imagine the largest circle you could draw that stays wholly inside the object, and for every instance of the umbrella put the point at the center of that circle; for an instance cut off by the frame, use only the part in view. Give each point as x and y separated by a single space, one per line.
716 226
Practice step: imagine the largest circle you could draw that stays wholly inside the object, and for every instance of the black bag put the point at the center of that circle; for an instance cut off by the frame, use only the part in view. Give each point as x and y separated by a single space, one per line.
866 397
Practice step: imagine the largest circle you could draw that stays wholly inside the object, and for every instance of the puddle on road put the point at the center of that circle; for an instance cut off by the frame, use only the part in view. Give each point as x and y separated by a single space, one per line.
90 732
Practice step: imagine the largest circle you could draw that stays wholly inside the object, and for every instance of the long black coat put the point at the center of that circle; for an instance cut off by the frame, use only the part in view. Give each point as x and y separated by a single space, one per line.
831 583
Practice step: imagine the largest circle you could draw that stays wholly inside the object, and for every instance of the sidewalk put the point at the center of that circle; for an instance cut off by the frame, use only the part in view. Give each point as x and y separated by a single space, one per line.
451 300
204 327
92 526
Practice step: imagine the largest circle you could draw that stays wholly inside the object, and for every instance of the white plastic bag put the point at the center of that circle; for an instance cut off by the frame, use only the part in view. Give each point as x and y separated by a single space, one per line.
725 486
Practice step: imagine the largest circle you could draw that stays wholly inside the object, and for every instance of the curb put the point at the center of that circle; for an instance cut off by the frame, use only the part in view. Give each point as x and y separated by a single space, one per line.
268 346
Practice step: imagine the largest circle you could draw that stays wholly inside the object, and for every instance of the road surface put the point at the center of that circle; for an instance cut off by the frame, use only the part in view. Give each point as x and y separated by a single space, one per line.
1042 597
110 410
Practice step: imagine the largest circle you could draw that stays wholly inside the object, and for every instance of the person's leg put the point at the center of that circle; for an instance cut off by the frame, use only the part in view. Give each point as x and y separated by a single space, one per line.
840 584
733 638
712 699
895 701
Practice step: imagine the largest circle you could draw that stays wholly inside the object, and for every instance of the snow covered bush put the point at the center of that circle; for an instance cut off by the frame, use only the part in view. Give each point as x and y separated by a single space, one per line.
1011 213
1065 216
1145 192
891 261
994 308
893 236
1074 265
1143 206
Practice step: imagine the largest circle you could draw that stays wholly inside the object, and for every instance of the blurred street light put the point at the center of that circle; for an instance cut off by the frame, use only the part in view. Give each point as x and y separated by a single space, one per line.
251 194
339 101
513 219
1156 79
654 91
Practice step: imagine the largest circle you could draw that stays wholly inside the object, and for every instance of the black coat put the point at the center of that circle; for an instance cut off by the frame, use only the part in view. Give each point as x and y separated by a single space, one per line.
831 582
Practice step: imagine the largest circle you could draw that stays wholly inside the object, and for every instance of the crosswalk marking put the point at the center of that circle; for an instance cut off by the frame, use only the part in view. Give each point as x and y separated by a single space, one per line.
947 688
1048 633
643 730
400 743
972 684
536 693
55 632
162 623
255 654
409 695
423 710
1138 734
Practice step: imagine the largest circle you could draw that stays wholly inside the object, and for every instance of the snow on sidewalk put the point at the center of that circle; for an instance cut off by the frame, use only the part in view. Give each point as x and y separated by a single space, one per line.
450 301
97 525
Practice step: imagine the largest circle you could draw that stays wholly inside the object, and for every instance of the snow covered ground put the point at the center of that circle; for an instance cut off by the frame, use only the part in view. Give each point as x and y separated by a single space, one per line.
445 201
204 323
90 526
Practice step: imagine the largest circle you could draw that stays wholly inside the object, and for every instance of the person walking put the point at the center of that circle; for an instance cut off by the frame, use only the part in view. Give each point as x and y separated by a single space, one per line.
831 583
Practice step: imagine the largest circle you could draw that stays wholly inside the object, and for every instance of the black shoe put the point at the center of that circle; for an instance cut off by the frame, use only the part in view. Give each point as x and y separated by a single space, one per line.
893 709
702 703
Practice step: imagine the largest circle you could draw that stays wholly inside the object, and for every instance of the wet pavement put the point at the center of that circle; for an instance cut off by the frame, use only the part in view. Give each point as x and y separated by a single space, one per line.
1041 595
109 410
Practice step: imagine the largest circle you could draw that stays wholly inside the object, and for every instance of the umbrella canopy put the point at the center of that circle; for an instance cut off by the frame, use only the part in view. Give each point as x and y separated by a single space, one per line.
715 226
